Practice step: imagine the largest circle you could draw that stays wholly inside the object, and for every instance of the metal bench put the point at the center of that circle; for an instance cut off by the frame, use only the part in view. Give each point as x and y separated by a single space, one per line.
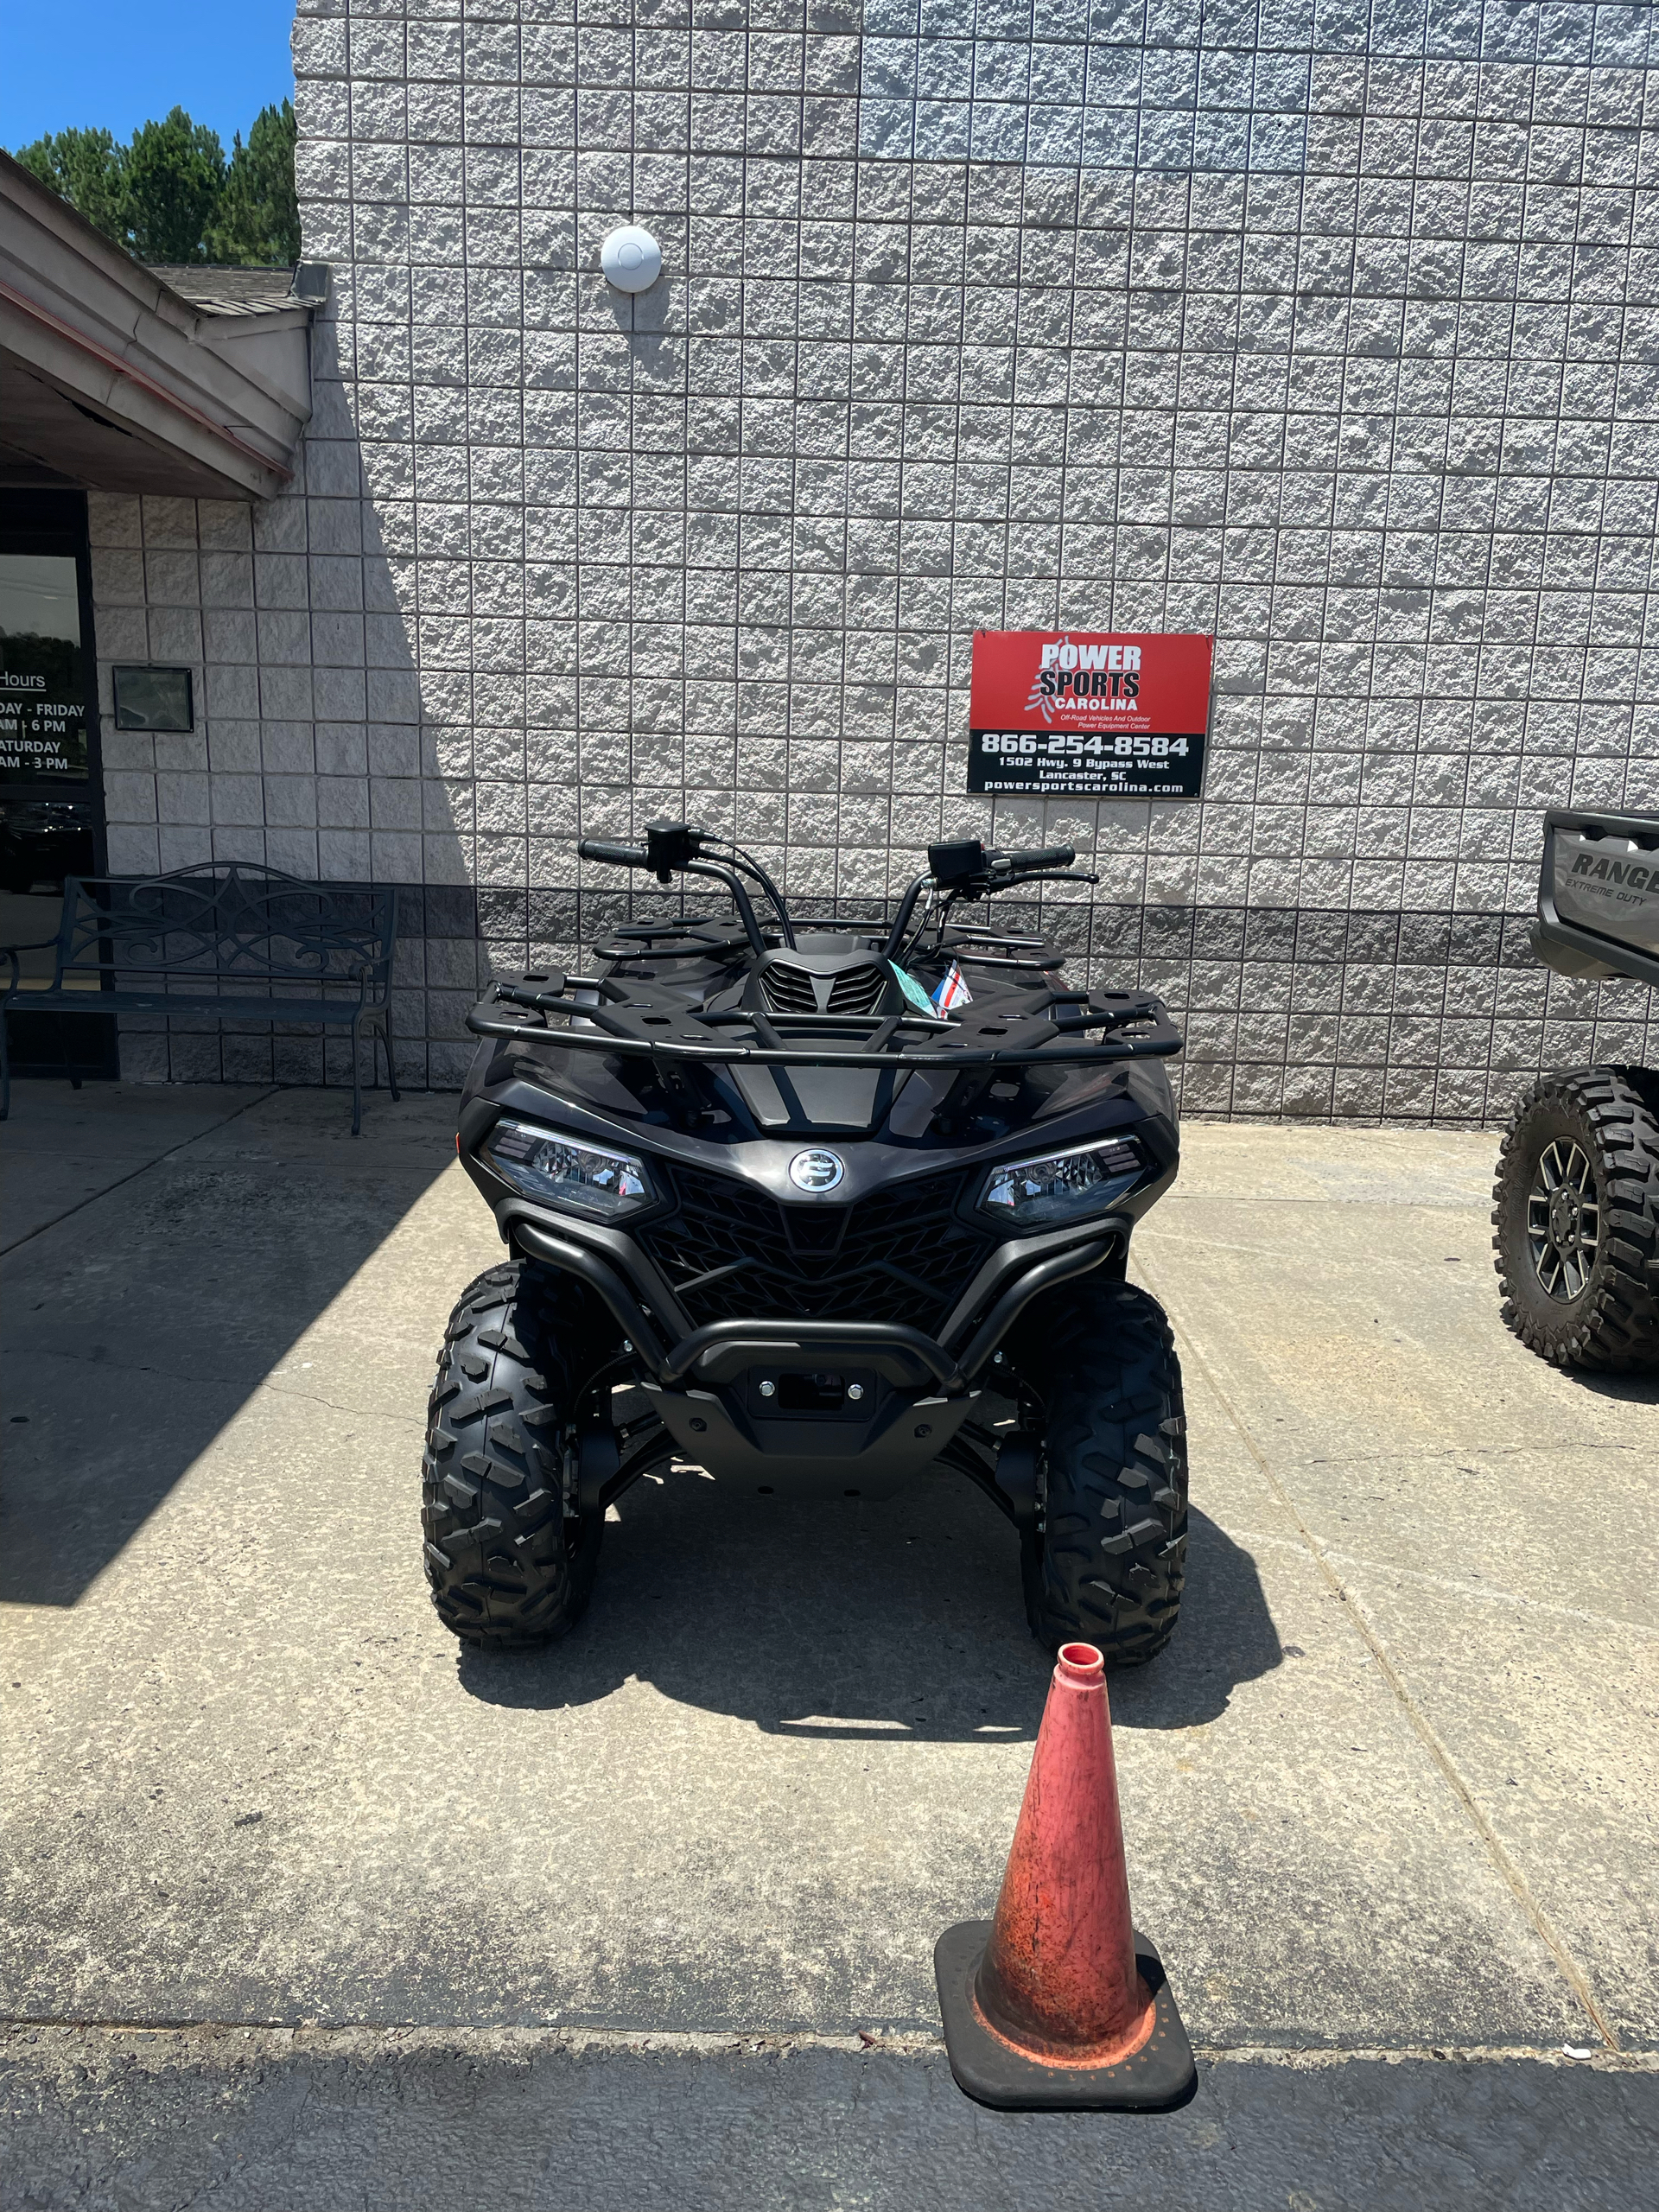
229 941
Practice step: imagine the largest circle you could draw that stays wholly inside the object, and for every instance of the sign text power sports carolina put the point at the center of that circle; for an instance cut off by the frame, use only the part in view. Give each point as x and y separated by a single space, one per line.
1088 713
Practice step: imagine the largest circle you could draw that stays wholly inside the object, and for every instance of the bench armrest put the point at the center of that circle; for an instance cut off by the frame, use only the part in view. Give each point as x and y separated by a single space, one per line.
9 952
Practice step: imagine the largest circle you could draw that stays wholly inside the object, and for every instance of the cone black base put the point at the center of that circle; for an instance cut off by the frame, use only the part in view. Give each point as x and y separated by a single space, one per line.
1160 2075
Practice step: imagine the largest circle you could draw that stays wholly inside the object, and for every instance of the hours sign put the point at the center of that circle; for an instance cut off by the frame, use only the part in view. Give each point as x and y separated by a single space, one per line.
1088 713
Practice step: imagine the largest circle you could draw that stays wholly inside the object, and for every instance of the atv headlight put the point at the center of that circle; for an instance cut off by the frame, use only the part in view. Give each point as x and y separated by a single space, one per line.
584 1177
1065 1187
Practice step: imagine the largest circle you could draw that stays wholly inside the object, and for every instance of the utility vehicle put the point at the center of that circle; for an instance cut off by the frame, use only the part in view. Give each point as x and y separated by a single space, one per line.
1575 1210
817 1205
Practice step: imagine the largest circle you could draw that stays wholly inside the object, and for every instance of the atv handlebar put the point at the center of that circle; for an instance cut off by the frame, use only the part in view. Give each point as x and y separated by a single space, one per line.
1048 857
962 869
589 849
670 849
667 848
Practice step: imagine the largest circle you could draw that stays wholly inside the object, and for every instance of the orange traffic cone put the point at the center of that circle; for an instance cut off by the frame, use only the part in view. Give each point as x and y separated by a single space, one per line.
1058 2004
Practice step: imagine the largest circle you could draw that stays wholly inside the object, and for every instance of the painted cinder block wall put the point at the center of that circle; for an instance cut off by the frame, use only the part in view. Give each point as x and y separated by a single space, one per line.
1333 329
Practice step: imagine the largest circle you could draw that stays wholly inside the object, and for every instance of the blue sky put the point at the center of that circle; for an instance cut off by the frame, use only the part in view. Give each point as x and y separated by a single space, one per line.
119 62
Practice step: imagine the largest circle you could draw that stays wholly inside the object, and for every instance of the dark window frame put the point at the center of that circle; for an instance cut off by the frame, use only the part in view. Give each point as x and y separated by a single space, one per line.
54 524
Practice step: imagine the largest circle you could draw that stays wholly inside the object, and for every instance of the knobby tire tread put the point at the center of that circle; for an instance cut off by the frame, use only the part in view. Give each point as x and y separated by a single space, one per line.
1613 1325
505 1564
1113 1553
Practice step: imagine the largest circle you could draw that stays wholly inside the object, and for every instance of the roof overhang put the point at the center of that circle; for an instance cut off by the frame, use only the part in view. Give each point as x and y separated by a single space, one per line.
109 379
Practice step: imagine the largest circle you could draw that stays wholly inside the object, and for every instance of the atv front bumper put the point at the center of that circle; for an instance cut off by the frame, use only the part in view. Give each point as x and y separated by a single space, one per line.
794 1404
817 1408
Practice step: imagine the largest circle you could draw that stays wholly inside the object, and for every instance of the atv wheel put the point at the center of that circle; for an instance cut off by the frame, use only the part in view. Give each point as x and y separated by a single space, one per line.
1110 1558
1576 1212
509 1560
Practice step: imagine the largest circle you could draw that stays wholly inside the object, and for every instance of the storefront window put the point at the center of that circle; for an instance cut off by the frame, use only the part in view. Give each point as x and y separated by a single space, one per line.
42 705
51 795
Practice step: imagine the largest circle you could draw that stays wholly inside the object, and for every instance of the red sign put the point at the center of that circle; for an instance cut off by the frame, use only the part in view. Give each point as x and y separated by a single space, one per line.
1088 713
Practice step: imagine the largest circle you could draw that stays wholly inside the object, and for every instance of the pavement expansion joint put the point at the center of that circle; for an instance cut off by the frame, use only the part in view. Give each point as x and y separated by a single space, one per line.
1571 1972
379 1415
143 1168
1488 1593
375 1413
230 2041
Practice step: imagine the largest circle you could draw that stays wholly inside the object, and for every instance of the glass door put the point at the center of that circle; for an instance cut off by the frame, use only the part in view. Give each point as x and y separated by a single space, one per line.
51 784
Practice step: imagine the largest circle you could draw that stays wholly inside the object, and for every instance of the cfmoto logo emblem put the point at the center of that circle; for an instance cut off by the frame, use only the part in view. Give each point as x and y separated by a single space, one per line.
816 1171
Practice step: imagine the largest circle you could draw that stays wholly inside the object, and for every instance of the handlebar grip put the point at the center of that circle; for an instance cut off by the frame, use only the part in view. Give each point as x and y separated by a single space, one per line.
1050 856
619 855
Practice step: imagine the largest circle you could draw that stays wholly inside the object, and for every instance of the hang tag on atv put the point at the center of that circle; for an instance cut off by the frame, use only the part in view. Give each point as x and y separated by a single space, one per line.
912 990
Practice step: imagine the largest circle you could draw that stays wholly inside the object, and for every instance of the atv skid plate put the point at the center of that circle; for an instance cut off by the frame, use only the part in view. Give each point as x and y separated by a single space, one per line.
813 1431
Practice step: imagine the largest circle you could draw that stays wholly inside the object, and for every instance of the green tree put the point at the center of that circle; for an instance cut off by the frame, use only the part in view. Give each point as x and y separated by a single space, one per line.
171 196
257 223
174 176
88 169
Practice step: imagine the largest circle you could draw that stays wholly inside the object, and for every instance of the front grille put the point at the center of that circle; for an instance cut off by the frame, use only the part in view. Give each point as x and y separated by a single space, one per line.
788 988
735 1254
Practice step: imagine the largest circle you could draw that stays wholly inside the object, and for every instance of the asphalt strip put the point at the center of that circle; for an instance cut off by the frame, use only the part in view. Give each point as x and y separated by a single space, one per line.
233 2120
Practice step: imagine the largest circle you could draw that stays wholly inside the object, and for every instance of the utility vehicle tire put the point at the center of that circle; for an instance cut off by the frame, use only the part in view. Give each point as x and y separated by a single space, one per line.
1111 1558
508 1566
1576 1215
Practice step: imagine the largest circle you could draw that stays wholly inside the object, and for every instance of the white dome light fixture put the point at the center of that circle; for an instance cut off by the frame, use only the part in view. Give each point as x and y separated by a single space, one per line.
630 258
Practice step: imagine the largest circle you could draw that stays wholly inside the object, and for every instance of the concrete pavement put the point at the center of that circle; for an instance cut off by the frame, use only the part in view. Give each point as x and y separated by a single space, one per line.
1391 1789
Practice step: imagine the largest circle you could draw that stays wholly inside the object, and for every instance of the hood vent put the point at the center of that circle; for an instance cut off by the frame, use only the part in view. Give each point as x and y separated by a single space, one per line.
857 990
789 988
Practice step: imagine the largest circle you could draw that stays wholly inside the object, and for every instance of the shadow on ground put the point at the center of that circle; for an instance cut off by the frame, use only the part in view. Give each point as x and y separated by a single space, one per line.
895 1621
1638 1390
138 1325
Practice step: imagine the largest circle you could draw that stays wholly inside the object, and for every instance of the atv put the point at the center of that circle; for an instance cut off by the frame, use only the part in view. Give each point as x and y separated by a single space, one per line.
817 1205
1575 1209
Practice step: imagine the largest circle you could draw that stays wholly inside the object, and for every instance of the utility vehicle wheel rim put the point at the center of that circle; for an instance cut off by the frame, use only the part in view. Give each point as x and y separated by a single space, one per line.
1563 1220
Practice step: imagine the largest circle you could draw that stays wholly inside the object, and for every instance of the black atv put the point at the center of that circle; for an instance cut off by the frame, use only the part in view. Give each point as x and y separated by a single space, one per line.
816 1205
1576 1206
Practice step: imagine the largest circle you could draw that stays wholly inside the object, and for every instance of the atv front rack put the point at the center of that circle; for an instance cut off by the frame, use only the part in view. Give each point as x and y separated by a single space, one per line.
613 1016
632 1013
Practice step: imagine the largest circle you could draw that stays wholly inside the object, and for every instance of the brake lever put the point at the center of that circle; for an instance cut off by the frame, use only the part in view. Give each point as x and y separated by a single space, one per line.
1042 875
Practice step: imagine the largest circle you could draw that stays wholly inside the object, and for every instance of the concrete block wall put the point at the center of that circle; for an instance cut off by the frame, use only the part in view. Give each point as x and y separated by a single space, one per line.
1331 328
310 755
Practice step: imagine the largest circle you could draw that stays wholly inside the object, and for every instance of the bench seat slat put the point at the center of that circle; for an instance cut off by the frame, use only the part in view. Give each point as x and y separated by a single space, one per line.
185 1003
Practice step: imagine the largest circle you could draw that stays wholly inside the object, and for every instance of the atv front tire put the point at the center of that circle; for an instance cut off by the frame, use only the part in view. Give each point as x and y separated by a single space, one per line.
1575 1213
1111 1554
509 1562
